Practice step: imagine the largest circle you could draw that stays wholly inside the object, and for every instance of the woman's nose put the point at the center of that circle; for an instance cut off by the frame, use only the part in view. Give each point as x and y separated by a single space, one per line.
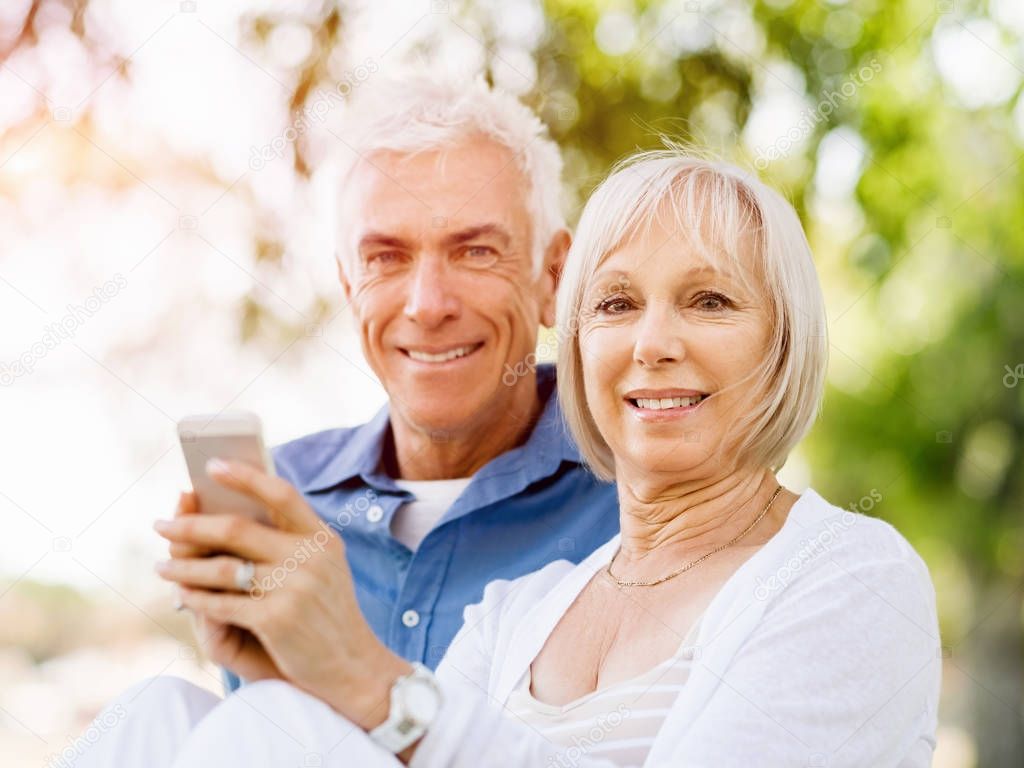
658 337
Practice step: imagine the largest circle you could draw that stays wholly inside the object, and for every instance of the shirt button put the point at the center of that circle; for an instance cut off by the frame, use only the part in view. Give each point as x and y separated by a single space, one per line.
375 513
410 619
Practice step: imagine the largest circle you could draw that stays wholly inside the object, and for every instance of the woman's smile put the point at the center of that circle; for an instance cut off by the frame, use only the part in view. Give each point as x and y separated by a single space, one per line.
658 405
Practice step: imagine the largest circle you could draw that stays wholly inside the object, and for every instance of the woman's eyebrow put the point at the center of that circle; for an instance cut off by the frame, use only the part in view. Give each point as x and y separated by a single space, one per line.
617 275
708 269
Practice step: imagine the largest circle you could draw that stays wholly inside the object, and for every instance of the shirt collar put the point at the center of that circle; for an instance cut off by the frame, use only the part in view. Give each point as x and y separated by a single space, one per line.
360 456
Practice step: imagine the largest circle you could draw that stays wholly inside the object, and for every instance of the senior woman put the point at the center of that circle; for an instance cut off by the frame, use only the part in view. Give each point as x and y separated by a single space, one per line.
731 623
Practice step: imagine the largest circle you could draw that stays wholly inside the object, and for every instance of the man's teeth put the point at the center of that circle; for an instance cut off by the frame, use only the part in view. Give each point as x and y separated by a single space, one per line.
442 357
657 404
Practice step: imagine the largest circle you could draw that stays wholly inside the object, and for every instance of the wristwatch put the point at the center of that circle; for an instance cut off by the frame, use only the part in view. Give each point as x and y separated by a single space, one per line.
415 702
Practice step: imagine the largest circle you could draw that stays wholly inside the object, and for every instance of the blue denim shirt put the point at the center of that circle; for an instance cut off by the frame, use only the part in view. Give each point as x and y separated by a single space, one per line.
525 508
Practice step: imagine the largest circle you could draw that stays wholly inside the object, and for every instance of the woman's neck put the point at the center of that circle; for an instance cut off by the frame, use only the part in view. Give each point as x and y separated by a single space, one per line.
682 520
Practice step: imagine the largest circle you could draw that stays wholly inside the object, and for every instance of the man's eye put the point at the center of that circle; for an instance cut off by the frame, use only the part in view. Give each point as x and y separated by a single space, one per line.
477 256
383 258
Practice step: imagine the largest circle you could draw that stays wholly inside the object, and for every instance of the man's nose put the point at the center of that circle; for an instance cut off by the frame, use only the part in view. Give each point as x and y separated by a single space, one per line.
659 337
431 299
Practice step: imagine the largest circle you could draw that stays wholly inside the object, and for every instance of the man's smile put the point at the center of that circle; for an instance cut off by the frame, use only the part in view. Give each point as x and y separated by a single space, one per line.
440 355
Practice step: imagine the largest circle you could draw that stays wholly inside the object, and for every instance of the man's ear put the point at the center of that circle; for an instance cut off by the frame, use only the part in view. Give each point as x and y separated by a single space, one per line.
346 286
554 263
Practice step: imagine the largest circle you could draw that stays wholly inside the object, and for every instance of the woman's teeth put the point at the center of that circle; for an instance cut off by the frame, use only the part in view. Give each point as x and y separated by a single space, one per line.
658 404
442 357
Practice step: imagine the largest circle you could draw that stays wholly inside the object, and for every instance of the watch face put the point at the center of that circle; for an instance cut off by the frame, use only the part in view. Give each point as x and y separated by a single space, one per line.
420 701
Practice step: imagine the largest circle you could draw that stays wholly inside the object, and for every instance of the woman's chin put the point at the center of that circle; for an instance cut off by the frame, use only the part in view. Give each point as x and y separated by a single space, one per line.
674 454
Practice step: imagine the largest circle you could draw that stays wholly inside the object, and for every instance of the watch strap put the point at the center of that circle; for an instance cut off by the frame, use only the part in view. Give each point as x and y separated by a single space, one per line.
401 729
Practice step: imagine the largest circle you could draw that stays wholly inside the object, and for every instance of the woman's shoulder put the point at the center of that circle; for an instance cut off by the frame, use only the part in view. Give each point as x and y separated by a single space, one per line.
827 539
851 533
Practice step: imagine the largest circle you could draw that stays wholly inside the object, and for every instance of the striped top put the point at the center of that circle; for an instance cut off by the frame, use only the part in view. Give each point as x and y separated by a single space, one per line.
617 723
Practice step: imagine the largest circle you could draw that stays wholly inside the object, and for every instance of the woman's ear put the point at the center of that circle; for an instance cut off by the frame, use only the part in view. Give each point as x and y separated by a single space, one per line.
554 262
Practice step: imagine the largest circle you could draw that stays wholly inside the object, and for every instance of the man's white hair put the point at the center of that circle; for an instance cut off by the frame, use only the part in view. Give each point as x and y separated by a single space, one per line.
417 114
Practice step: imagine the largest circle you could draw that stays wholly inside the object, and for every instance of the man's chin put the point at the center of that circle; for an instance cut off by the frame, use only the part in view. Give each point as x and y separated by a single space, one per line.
441 418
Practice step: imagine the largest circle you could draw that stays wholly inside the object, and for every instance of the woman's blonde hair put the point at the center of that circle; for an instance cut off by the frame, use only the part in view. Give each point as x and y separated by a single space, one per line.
717 207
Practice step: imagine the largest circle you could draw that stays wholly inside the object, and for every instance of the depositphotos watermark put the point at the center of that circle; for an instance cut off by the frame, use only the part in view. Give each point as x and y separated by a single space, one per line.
306 549
102 724
819 545
571 755
814 116
811 549
315 111
1013 375
364 505
65 328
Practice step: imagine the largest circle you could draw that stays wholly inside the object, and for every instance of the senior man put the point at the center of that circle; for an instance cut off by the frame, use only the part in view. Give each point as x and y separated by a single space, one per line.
450 243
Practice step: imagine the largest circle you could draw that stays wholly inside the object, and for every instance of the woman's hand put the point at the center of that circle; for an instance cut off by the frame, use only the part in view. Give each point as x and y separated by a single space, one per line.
300 606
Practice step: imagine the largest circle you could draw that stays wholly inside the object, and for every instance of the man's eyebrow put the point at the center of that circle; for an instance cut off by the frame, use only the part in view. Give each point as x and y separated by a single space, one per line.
473 233
379 238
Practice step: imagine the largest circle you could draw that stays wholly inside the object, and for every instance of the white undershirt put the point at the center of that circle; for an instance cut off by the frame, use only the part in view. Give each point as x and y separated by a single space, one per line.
627 715
414 520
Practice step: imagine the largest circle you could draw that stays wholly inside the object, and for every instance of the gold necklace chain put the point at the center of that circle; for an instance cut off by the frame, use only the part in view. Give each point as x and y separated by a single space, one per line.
699 560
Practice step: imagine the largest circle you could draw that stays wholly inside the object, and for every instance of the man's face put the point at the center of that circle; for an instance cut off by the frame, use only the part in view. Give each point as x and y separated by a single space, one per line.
437 266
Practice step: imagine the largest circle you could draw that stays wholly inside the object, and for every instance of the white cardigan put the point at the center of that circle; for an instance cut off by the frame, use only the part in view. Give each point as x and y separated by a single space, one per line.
821 650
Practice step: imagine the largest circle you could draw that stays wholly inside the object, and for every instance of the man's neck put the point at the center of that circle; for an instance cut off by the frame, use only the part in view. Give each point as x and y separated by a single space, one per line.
425 454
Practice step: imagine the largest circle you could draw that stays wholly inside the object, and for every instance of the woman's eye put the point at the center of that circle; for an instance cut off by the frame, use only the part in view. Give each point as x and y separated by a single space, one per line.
712 301
615 305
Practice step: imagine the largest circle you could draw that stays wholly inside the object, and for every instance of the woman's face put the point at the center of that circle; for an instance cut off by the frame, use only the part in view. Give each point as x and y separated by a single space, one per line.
670 350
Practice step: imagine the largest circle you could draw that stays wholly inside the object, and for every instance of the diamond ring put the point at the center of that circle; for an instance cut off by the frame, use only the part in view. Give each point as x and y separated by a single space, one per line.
244 574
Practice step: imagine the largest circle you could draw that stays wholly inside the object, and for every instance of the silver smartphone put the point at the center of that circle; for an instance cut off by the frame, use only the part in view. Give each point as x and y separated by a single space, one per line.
232 435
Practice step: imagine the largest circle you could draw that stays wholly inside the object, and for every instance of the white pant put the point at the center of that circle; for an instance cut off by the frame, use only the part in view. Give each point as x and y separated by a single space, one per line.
165 721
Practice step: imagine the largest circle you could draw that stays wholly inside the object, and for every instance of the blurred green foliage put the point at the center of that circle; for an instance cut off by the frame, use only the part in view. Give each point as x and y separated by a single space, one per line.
923 268
938 202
